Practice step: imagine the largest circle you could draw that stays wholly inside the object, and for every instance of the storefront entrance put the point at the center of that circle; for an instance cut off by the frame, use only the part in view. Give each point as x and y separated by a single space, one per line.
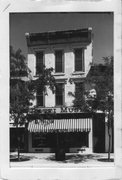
50 141
16 133
71 131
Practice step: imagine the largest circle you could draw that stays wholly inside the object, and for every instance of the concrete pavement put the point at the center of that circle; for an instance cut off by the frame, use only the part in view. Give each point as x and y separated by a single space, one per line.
72 160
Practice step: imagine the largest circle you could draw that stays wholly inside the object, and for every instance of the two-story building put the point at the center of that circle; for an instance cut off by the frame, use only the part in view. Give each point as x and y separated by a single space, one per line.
69 53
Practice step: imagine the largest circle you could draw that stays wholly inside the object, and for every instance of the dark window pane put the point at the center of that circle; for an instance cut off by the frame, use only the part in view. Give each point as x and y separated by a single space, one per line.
59 94
59 100
40 98
76 139
58 61
79 89
79 60
40 140
39 62
79 95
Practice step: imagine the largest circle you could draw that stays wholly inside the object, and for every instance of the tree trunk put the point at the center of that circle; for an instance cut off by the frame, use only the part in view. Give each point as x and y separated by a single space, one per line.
18 153
109 135
26 139
109 146
60 149
18 143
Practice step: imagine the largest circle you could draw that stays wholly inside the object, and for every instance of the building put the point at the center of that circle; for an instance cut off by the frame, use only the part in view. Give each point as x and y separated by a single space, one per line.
69 53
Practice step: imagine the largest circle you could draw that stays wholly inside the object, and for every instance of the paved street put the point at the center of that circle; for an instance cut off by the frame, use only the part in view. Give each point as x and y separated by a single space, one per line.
48 160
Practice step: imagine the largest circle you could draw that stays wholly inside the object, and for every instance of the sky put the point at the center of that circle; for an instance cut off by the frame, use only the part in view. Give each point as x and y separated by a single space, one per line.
101 23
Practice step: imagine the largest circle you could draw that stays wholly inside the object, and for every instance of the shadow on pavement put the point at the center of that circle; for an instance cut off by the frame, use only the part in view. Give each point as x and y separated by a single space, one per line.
76 158
69 158
106 160
14 158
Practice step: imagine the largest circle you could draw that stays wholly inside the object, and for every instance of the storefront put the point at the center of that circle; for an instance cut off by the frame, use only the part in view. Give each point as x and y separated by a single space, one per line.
15 135
59 127
70 130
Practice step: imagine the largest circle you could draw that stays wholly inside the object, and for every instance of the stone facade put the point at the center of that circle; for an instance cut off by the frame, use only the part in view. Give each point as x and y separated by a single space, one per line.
67 41
70 46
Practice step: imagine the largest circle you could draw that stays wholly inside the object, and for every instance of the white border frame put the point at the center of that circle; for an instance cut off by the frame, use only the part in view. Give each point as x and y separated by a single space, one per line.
57 173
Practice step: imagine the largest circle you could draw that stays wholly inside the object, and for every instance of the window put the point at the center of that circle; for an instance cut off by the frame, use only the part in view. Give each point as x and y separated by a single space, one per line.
40 98
76 139
59 94
39 62
40 140
79 60
79 88
59 61
79 94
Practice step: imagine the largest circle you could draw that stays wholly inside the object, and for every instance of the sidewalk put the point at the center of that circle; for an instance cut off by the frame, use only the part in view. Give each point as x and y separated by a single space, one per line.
72 160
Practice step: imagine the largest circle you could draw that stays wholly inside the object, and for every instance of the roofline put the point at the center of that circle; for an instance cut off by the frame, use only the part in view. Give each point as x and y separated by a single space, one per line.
27 34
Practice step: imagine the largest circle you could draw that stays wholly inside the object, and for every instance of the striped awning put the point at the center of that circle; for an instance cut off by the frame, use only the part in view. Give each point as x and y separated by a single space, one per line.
61 125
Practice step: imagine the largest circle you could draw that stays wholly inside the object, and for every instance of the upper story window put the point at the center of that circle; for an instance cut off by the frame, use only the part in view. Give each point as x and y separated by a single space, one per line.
79 89
59 64
39 62
39 98
79 59
59 94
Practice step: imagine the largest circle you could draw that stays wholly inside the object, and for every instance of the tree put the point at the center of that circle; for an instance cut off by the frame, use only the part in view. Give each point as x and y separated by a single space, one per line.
101 79
19 93
98 94
23 88
104 99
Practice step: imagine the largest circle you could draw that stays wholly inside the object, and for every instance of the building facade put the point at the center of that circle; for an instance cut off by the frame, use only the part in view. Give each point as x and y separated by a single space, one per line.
69 53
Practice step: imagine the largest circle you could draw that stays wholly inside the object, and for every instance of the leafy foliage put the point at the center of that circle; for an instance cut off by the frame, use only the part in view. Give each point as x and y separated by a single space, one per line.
23 88
45 79
20 97
101 79
18 64
79 97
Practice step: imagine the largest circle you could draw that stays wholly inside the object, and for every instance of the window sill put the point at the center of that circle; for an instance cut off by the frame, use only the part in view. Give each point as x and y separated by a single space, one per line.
36 76
38 106
78 73
59 106
59 74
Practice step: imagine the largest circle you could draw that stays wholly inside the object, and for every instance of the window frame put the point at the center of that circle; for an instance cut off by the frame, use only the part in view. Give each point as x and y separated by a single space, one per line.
43 97
43 61
83 59
63 64
79 83
63 94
